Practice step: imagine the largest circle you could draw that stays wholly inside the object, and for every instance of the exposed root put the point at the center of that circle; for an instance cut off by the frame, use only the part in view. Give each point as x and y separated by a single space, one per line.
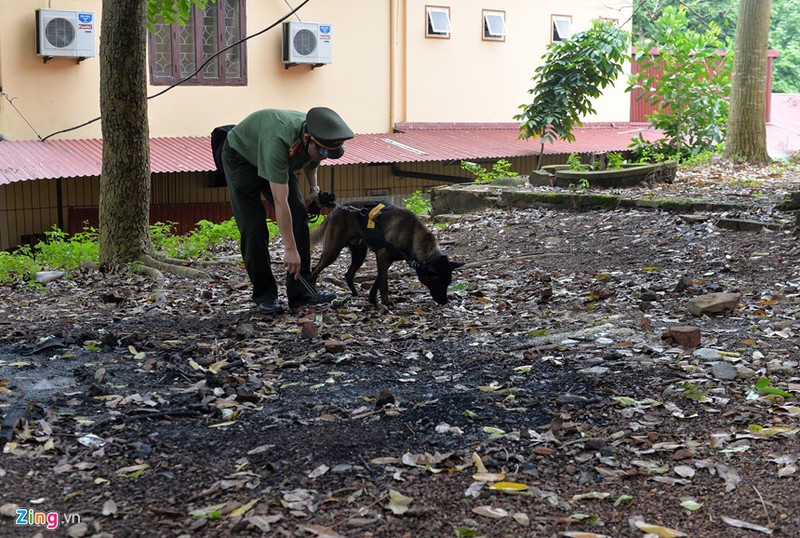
172 268
172 261
157 276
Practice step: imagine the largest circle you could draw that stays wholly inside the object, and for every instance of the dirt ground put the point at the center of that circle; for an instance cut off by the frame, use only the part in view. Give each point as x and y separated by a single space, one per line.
543 400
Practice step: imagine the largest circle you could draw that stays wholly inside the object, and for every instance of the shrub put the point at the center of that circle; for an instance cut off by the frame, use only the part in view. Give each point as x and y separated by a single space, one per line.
688 82
205 237
501 168
418 203
18 266
574 72
575 164
68 252
615 160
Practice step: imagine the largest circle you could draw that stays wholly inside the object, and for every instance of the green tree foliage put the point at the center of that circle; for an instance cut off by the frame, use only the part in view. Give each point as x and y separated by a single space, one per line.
169 11
701 15
691 97
574 72
783 38
724 14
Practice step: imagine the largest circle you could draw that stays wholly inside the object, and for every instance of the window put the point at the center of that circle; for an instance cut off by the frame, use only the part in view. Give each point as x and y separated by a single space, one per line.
494 25
561 26
178 51
437 21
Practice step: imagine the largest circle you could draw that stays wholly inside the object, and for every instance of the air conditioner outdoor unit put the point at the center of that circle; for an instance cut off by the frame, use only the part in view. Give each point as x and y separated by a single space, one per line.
306 43
66 33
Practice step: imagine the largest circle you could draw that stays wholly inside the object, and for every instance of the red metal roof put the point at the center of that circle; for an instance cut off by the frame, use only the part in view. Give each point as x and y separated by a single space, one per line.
448 142
31 159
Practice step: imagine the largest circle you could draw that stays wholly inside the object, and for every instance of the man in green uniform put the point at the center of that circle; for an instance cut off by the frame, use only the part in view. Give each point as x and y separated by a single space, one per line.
262 155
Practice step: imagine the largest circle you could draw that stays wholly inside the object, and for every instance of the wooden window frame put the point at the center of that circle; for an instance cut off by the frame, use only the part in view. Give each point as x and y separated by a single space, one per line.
429 25
555 17
485 25
200 79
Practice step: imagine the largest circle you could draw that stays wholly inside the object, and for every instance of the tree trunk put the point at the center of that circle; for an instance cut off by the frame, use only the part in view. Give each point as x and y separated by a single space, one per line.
747 131
125 177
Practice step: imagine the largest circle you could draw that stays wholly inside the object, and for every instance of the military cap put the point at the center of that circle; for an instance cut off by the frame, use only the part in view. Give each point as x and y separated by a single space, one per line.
328 131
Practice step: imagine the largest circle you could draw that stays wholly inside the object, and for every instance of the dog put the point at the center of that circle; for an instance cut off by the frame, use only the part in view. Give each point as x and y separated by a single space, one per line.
394 234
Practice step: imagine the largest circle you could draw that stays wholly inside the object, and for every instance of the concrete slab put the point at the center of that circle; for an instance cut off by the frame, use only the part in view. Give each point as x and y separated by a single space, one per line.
783 131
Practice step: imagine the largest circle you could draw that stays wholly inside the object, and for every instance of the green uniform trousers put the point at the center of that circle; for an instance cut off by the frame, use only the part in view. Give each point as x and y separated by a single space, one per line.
246 187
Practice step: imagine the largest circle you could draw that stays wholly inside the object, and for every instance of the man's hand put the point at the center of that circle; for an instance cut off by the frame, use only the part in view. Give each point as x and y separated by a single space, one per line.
291 260
283 216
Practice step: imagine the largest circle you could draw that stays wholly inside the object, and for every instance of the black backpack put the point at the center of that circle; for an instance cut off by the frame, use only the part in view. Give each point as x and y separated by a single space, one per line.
218 136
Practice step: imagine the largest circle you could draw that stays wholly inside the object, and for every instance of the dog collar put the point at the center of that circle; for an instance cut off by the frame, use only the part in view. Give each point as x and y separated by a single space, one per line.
422 263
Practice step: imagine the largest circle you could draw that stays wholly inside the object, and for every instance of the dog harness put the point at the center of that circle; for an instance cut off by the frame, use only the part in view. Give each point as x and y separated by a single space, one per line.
368 218
373 234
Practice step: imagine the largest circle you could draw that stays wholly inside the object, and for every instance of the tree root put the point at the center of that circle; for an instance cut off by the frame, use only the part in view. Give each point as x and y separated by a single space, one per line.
173 268
153 268
158 277
230 260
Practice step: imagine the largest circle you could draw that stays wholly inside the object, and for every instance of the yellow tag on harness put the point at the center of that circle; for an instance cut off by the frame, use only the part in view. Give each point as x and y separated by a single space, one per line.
373 214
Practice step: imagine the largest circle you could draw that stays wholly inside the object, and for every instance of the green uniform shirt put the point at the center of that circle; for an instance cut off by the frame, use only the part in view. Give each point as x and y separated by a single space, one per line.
265 138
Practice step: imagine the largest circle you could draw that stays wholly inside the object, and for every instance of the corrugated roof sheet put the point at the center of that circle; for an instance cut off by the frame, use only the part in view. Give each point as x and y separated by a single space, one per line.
29 160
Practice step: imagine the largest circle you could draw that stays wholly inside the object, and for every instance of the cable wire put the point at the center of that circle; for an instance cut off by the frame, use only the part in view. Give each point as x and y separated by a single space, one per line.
21 115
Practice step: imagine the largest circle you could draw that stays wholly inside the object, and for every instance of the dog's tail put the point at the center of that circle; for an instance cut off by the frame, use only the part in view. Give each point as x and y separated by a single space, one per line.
319 232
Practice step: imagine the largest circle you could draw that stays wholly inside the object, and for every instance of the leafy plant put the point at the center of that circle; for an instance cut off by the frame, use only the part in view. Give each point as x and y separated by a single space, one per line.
18 266
418 203
615 160
574 72
68 252
575 164
688 82
501 168
205 237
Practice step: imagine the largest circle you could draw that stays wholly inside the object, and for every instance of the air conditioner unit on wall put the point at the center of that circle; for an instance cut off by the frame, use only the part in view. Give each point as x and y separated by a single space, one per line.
306 43
66 33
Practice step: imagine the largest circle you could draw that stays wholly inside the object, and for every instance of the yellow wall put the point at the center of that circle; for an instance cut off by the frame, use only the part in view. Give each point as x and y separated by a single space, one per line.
384 69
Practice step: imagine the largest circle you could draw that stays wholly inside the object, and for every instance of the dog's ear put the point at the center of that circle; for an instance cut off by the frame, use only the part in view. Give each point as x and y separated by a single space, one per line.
456 265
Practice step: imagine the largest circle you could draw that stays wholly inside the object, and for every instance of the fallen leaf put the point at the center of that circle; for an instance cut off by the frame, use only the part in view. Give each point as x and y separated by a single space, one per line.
684 471
242 510
599 495
729 475
489 477
132 469
739 524
399 503
476 459
319 471
508 487
691 504
490 511
522 518
789 470
109 508
658 530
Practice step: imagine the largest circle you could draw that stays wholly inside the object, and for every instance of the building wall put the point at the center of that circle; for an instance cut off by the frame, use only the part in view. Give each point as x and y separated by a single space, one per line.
465 78
384 69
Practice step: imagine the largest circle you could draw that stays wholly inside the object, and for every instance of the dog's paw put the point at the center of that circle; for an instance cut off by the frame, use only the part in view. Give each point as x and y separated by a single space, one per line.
382 309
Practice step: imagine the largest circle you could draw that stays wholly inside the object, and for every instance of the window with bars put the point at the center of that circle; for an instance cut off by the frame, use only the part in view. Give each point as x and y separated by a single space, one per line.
178 51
